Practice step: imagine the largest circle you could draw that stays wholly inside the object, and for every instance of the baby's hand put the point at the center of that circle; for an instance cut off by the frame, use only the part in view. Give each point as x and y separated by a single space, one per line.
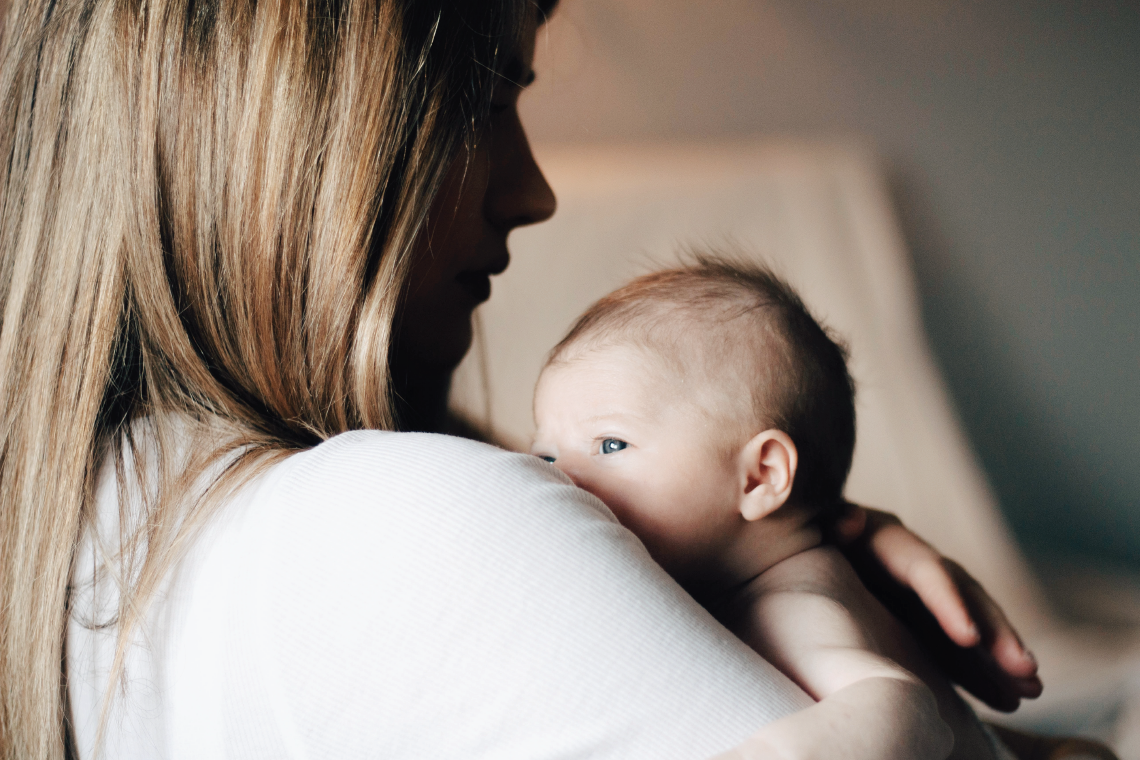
903 724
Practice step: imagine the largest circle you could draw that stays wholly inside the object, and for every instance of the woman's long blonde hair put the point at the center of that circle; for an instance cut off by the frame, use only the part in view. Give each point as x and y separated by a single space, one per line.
207 213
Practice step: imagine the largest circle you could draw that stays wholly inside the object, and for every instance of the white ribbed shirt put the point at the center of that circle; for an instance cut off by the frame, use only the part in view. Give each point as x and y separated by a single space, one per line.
401 595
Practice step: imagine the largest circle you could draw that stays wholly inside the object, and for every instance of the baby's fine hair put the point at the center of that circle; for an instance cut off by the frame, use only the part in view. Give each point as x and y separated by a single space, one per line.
807 391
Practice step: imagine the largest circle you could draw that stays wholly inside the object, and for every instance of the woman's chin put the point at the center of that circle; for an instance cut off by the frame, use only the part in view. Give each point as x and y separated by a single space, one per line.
450 349
436 350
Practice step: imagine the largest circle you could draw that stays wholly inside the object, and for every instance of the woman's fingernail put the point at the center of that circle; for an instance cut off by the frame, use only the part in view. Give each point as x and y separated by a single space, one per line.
1029 656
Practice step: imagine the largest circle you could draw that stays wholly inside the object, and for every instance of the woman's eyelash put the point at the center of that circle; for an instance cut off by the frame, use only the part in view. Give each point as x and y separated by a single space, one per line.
612 445
546 458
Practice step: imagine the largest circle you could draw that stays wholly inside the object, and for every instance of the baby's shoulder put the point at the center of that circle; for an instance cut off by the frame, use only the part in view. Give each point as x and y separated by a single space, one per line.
821 571
820 582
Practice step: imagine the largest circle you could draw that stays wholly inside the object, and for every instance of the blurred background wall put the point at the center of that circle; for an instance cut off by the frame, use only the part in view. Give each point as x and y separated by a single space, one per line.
1010 131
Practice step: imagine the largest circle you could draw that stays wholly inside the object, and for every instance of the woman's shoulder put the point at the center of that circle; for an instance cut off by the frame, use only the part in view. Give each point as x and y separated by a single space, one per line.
373 462
365 449
381 580
375 477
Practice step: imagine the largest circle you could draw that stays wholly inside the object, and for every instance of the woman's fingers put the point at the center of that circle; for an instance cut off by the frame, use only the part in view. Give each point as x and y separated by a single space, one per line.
849 526
913 563
970 617
982 651
916 565
998 635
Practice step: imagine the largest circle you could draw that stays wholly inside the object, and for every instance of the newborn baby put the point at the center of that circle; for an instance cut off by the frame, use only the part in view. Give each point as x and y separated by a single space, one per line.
714 416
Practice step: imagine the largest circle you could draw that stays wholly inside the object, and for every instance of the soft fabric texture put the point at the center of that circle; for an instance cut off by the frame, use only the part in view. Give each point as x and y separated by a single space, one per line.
397 595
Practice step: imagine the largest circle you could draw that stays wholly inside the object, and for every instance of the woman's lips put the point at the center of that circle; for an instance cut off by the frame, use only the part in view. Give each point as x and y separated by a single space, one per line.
477 282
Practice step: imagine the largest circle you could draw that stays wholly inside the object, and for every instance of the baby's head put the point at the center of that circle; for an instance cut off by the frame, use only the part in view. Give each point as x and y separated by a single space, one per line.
696 401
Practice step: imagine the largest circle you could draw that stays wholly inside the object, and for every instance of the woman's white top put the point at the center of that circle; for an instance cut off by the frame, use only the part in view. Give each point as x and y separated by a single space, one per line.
397 595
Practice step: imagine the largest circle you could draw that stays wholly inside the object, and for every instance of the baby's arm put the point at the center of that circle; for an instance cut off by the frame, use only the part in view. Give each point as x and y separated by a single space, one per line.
795 615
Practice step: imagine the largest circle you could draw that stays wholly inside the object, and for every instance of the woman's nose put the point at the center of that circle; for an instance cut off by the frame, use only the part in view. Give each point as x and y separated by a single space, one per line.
517 193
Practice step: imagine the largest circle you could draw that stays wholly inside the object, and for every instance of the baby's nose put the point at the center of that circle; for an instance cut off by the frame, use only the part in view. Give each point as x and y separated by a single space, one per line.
566 465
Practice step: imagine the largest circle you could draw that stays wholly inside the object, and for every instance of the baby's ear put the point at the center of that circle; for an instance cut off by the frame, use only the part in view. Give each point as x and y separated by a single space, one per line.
768 468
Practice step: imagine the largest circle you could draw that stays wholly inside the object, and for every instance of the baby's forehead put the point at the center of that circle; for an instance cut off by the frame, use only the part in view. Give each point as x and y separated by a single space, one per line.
621 362
681 369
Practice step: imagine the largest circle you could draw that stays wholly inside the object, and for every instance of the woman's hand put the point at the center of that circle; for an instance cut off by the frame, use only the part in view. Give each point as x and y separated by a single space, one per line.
950 613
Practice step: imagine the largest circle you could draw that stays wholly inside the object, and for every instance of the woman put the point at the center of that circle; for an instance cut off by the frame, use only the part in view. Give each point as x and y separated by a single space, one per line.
230 233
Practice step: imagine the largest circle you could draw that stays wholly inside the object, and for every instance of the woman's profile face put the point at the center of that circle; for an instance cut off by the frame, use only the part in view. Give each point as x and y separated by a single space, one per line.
489 190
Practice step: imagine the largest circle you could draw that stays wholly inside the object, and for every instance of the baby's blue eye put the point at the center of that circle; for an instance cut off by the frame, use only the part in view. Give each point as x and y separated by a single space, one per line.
613 445
545 458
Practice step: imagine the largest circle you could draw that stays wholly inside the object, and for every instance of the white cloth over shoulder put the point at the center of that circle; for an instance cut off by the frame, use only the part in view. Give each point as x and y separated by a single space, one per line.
397 595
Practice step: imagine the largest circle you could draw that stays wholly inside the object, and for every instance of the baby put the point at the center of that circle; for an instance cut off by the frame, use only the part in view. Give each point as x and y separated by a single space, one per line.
714 416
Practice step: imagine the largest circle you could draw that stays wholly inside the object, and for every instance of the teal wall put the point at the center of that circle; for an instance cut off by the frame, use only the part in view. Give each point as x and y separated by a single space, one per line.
1011 131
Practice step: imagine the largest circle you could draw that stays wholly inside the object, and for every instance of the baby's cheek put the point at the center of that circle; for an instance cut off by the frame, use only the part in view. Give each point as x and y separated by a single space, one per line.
625 498
613 494
647 513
